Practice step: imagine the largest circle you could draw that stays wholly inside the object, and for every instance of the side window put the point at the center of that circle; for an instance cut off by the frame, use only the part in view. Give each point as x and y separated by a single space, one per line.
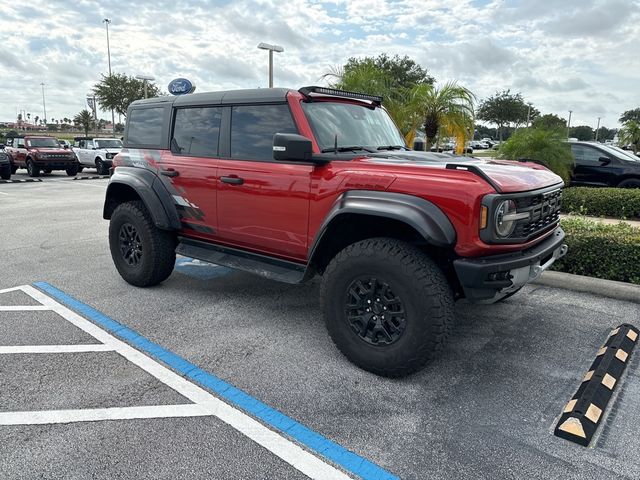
20 142
586 155
9 142
81 144
196 131
145 126
253 128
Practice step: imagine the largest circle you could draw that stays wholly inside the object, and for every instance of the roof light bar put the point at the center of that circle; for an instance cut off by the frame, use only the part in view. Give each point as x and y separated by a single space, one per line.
307 91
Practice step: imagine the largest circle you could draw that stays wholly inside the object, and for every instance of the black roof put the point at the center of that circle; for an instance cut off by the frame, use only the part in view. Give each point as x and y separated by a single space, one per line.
254 95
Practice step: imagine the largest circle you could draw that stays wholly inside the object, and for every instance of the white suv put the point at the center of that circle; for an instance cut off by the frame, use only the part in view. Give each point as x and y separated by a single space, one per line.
97 152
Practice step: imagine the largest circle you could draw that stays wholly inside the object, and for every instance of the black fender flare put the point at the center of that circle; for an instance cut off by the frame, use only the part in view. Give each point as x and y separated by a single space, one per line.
151 191
424 216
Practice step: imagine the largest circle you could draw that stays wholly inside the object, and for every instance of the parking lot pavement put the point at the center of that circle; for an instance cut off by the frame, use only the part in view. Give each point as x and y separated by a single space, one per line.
485 409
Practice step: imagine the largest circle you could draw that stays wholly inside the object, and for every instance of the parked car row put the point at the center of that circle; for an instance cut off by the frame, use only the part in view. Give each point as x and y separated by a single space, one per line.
40 153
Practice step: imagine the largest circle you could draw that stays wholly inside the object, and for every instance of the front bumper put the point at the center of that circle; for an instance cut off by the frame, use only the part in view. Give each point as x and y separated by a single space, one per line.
488 279
55 164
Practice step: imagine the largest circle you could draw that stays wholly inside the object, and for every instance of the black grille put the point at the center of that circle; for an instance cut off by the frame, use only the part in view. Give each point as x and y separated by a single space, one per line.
545 212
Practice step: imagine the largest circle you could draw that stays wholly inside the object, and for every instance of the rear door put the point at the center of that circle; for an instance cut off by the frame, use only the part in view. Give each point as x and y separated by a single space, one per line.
189 169
263 205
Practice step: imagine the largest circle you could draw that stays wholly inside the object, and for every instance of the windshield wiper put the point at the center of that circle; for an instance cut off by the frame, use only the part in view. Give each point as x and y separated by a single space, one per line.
345 149
392 147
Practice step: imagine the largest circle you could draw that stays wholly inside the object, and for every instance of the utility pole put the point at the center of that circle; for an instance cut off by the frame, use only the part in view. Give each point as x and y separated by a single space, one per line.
113 117
271 48
44 106
569 123
597 128
529 114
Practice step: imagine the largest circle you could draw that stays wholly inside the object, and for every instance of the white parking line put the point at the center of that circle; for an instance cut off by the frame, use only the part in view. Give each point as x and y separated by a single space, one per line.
92 347
204 403
22 308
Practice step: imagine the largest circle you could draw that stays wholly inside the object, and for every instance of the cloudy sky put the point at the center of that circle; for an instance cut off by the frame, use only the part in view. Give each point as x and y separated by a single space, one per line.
579 55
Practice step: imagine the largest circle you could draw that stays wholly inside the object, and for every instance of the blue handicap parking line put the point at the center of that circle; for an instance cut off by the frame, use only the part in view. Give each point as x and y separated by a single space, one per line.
199 269
314 442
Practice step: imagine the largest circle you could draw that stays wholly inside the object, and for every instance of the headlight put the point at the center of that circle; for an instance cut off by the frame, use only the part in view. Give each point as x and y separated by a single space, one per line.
110 155
504 222
506 217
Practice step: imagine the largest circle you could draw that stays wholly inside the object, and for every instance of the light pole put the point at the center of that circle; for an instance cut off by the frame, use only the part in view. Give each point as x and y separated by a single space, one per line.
145 79
91 100
107 22
44 106
271 48
569 123
529 114
597 128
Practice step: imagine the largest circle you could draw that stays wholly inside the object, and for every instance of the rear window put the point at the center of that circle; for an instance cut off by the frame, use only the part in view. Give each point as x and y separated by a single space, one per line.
145 127
196 131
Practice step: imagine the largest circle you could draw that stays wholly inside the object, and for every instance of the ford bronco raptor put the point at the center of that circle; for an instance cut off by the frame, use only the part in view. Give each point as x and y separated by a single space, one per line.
290 184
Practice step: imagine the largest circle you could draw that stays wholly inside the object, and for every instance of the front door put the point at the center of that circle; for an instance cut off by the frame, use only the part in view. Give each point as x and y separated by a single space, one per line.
263 205
591 168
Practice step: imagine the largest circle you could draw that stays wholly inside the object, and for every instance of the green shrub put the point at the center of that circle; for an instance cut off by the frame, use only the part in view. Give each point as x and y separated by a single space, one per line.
602 202
604 251
546 146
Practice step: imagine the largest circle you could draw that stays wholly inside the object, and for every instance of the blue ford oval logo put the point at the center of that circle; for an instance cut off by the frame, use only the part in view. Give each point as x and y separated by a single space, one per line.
181 86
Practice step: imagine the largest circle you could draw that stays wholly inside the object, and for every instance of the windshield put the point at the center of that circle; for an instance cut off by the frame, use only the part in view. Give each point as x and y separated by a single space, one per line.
355 125
620 153
109 143
43 142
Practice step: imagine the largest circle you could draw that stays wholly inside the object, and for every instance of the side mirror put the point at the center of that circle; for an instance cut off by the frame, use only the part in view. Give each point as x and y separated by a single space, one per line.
291 146
605 160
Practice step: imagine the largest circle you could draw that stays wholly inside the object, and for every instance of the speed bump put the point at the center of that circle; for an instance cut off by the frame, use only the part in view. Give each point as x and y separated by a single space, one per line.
583 413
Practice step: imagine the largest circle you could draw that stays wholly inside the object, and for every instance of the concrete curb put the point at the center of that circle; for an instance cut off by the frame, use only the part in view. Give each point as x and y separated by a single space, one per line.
627 292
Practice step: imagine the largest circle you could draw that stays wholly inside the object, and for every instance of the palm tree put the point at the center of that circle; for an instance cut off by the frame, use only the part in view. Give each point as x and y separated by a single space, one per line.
630 135
85 120
35 119
369 79
446 111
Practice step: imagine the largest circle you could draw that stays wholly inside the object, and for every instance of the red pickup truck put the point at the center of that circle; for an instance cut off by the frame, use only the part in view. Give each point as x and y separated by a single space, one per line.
39 153
290 184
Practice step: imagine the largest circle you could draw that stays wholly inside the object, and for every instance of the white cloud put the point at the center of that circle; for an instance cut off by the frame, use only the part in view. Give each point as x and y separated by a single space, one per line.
577 54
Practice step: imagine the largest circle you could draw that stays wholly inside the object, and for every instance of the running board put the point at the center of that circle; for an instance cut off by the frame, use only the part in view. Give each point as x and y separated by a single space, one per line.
268 267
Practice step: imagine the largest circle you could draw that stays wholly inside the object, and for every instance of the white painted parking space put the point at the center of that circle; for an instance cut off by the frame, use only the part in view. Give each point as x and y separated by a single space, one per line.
203 402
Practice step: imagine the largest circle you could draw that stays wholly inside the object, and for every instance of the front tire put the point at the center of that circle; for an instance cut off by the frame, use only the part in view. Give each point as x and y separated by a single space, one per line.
387 306
630 183
101 168
143 254
32 170
72 171
5 172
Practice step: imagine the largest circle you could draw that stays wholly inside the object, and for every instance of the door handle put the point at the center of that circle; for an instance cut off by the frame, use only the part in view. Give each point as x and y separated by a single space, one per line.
169 172
232 180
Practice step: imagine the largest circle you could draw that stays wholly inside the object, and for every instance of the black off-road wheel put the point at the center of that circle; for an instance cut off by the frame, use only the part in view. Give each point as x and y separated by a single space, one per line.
5 172
101 168
387 306
14 169
73 171
47 170
32 170
143 254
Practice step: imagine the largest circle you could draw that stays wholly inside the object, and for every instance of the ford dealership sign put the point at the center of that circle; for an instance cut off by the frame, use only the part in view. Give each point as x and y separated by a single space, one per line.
181 86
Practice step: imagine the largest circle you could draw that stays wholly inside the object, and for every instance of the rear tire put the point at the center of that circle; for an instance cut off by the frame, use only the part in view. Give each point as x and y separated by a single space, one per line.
32 170
143 254
14 169
387 306
5 172
47 170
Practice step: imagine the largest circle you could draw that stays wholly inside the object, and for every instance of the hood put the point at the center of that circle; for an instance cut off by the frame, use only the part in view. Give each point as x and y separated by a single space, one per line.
115 151
505 176
50 150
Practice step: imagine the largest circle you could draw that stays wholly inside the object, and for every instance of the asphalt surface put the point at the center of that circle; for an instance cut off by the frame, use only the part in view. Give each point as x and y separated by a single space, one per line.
485 409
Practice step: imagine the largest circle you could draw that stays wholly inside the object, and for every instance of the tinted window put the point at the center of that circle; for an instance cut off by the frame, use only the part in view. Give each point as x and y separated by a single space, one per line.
145 126
20 142
196 131
586 155
253 128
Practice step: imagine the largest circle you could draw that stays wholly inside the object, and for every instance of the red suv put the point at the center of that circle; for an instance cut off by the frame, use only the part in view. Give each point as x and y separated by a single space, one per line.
290 184
39 153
